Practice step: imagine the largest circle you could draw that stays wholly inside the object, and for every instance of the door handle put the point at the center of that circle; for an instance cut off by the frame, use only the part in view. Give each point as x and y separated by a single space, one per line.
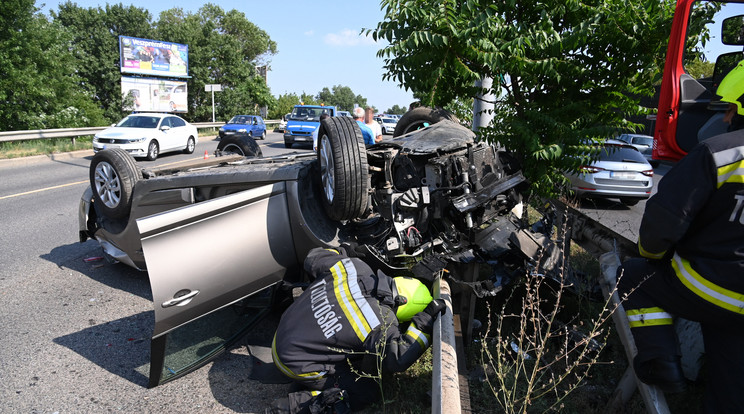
184 299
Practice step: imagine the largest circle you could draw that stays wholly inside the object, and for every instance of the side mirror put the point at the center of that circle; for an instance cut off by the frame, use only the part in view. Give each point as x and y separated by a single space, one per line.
164 128
724 64
732 31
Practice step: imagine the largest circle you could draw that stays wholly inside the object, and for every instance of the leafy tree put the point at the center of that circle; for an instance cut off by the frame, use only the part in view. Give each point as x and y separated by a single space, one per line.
224 48
699 69
341 97
284 104
38 85
397 110
564 71
307 99
95 44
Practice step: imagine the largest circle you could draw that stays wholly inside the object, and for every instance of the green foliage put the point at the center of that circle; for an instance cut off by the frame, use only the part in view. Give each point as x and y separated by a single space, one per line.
397 110
95 44
39 87
224 48
563 71
284 104
342 97
307 99
699 69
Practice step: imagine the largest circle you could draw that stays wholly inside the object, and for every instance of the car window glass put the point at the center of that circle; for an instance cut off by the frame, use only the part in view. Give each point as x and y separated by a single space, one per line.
620 154
643 141
166 122
177 122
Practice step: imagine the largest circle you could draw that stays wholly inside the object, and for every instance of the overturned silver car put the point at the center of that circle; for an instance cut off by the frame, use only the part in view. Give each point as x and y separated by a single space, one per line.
219 236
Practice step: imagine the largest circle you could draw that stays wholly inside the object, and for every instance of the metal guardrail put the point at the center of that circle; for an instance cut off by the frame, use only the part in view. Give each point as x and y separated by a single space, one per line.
10 136
445 395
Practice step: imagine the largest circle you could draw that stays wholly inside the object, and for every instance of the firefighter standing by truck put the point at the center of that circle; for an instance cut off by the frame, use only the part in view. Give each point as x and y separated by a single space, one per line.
692 239
350 320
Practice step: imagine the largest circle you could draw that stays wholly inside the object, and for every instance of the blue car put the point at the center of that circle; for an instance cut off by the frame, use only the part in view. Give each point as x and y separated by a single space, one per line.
253 125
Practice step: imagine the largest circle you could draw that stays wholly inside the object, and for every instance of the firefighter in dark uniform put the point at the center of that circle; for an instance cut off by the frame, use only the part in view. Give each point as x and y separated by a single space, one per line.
692 239
349 321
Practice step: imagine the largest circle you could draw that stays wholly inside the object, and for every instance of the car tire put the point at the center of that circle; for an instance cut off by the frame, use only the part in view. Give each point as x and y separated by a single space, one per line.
190 146
418 118
287 145
153 149
344 172
113 174
244 145
629 201
263 136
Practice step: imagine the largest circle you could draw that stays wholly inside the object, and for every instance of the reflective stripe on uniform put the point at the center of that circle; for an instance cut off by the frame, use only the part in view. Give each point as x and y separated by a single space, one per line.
648 317
420 337
353 303
288 372
730 165
647 254
706 289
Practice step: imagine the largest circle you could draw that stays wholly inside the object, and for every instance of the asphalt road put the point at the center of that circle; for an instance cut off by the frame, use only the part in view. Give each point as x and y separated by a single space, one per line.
74 335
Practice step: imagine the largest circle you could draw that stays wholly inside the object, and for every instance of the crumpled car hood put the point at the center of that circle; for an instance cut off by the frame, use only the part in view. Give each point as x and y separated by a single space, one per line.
442 137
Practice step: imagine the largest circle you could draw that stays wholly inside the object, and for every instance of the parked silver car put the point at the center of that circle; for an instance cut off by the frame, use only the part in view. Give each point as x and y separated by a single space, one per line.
643 143
220 238
619 171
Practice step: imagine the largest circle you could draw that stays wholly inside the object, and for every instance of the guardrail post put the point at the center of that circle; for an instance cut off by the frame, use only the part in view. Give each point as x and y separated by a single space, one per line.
445 395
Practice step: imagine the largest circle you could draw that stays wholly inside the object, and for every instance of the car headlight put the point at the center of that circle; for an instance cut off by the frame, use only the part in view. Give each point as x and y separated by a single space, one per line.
95 139
133 140
243 130
222 129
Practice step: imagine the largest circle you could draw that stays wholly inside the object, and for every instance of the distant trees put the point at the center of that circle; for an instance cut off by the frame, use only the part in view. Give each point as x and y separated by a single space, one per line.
64 72
397 110
224 48
39 83
342 97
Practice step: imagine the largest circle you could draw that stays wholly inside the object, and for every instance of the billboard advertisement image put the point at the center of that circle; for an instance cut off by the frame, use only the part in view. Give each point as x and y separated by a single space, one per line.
154 95
153 57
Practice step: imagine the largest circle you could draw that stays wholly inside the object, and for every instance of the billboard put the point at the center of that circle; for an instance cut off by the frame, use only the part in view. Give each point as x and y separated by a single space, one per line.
153 57
151 94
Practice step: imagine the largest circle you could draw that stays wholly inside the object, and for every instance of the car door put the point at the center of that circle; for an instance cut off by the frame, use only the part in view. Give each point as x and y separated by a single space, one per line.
261 126
689 111
179 132
212 266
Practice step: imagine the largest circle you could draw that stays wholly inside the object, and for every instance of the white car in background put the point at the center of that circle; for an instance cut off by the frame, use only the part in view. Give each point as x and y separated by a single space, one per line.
148 135
388 125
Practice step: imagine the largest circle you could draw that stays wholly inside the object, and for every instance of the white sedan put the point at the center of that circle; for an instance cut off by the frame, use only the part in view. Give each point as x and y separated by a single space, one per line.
148 135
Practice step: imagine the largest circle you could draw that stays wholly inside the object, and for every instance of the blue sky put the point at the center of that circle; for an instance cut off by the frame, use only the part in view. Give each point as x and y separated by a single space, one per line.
318 44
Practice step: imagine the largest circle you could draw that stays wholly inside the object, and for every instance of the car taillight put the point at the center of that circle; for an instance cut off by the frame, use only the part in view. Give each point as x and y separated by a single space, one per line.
589 169
648 173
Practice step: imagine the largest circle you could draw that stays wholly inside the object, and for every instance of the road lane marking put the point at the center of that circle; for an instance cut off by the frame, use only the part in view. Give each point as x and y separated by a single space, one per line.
43 189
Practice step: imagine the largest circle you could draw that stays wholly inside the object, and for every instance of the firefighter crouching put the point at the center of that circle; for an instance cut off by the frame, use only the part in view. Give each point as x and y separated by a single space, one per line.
349 321
692 239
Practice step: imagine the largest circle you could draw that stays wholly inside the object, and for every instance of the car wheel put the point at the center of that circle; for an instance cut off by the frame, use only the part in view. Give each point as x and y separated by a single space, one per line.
152 151
287 145
421 117
244 145
263 136
190 146
344 171
113 174
629 201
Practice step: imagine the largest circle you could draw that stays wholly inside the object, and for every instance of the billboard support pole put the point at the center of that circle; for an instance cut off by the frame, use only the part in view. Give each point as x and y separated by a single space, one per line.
212 105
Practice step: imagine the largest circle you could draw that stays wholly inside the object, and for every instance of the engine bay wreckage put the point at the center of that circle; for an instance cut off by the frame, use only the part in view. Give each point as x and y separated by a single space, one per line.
217 231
